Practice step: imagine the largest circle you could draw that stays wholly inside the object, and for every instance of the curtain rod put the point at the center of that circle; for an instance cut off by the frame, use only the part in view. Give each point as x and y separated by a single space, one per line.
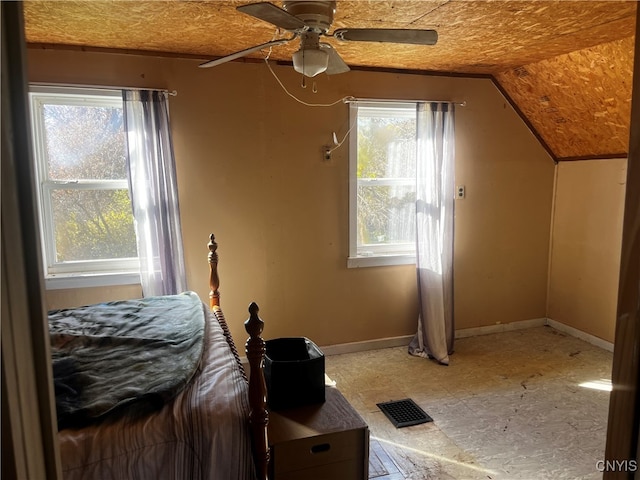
173 93
389 100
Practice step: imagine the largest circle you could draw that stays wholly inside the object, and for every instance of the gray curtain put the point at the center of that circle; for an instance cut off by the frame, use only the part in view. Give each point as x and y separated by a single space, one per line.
434 231
154 194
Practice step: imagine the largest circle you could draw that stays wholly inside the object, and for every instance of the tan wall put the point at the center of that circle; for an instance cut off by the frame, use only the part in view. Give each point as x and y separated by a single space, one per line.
585 253
65 298
249 169
502 227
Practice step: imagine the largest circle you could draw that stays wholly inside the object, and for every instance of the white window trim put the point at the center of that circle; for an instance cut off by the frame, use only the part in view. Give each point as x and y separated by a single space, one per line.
86 280
108 272
376 259
380 261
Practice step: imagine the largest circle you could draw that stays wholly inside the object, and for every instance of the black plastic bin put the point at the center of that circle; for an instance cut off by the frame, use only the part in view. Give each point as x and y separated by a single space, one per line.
294 372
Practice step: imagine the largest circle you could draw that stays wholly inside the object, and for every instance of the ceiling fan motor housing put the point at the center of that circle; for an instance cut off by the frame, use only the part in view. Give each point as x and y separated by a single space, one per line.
317 15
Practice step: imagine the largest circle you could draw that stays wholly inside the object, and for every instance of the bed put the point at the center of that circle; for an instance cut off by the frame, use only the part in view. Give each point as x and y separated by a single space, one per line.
174 402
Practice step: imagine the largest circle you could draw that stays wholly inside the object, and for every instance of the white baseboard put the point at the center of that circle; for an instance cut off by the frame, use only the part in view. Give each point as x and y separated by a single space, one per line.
500 327
354 347
367 345
404 340
587 337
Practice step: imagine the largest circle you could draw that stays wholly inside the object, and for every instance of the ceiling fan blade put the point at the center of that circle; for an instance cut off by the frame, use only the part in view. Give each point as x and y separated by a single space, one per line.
270 13
390 35
245 52
336 64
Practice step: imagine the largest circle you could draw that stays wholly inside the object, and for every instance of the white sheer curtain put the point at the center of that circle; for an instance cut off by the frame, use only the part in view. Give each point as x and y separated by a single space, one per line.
434 231
154 194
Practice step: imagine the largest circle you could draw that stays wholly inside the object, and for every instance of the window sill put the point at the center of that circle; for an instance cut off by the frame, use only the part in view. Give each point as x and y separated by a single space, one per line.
380 261
84 280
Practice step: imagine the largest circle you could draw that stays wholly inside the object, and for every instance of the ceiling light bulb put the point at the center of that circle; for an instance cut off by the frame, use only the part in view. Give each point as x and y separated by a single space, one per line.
310 61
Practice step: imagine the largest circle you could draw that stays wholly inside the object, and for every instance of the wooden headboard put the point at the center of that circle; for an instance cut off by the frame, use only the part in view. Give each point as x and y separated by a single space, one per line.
255 351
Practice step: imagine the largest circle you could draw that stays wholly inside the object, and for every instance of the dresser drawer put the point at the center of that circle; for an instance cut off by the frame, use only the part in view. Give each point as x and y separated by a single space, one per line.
347 470
346 447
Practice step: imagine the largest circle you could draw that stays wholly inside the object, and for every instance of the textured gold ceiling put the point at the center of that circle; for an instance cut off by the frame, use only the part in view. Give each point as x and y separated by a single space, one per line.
539 52
474 36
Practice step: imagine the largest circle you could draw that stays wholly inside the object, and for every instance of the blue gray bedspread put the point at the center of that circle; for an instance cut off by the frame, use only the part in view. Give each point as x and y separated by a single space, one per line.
112 354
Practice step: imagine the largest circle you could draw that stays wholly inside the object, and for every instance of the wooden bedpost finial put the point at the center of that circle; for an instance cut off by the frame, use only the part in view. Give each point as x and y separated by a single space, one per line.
214 280
259 416
254 324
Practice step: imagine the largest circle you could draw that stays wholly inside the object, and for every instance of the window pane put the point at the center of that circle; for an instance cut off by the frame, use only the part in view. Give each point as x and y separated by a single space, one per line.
386 147
386 214
386 170
84 142
93 225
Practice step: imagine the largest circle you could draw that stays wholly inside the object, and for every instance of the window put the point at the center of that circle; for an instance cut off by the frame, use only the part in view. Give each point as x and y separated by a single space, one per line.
84 205
382 159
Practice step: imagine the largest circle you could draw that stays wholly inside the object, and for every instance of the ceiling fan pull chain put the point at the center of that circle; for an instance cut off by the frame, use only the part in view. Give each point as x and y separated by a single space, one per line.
304 82
314 89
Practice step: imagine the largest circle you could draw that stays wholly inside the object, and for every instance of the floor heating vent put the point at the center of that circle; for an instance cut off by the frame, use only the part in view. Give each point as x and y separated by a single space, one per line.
404 413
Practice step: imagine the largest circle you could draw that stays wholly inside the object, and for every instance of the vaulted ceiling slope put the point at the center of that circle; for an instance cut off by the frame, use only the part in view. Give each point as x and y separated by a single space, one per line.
566 65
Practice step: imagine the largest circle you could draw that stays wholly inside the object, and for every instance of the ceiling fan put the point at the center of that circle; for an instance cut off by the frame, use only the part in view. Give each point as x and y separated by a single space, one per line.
311 19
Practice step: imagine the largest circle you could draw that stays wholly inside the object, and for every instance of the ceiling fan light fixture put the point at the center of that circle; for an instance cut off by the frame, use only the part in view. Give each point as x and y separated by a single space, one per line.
310 61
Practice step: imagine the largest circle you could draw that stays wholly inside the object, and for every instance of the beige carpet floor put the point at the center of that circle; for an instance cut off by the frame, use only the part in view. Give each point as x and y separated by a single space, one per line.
513 405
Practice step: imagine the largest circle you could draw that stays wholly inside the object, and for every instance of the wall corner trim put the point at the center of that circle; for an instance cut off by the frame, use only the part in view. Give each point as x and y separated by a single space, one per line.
524 118
587 337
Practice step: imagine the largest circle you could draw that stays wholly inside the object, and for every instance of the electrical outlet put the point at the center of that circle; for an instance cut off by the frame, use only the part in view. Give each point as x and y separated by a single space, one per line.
460 192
